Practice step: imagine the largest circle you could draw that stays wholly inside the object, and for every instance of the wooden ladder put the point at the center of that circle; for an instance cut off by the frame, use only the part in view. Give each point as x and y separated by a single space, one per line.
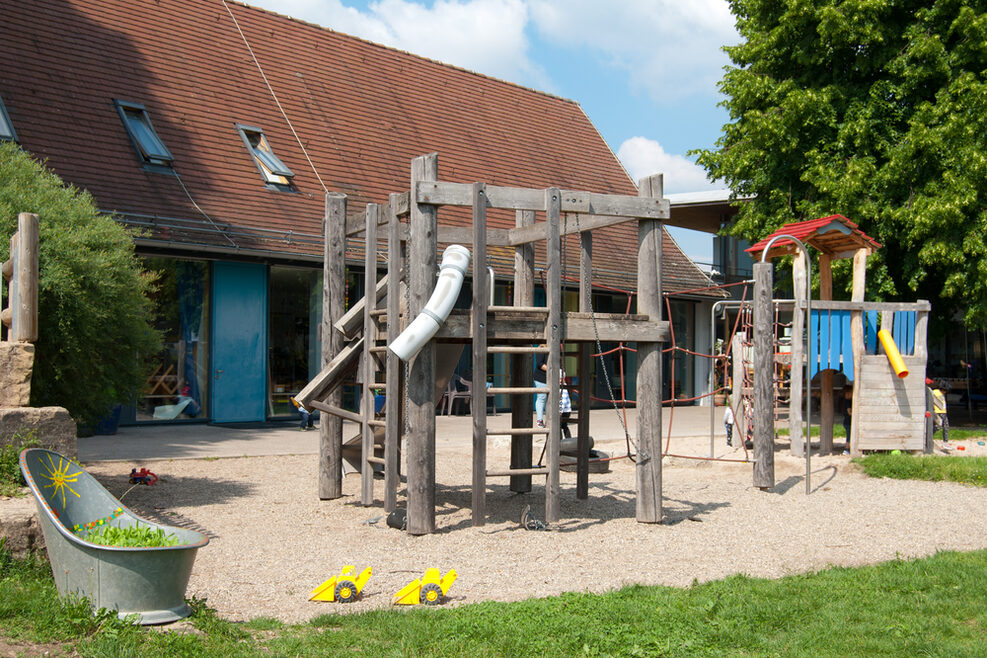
551 316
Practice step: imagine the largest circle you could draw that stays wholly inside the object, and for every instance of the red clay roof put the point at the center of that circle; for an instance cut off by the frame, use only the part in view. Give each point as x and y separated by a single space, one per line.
363 111
836 243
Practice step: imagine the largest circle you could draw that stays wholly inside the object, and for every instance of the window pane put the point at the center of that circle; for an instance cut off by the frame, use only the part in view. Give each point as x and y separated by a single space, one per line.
178 384
151 147
295 303
5 130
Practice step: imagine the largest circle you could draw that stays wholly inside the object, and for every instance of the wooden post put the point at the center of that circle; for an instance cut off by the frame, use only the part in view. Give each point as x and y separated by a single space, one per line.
857 340
333 294
585 368
25 303
737 394
394 370
522 365
922 352
369 362
826 376
553 297
422 244
795 401
764 465
479 401
649 371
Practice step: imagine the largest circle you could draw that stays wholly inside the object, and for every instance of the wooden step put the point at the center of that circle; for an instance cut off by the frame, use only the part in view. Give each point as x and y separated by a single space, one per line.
518 431
510 349
515 390
540 310
518 471
376 460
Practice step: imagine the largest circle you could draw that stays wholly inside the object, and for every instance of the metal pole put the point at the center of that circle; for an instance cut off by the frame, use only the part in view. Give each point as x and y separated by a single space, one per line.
808 352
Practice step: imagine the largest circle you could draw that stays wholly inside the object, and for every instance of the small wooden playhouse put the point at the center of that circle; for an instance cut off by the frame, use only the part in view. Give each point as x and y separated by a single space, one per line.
889 408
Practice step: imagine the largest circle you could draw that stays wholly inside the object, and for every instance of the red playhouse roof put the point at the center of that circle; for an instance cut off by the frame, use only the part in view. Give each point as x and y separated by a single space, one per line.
834 235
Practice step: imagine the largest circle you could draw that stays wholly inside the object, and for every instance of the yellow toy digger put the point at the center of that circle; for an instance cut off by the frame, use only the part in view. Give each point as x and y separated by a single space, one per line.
429 589
343 588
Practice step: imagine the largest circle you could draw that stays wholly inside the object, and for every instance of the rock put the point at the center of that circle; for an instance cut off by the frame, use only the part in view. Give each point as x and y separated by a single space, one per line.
53 427
19 525
16 365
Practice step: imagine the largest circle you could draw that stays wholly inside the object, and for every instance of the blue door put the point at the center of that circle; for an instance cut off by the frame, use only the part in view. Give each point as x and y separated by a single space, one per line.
239 366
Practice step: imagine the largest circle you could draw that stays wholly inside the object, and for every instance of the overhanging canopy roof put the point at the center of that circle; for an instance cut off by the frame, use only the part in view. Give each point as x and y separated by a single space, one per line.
834 235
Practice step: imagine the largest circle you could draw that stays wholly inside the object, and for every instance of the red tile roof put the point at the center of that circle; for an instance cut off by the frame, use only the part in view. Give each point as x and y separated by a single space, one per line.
362 111
836 243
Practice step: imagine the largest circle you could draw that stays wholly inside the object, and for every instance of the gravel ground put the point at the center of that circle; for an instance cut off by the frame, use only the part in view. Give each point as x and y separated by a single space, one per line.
273 540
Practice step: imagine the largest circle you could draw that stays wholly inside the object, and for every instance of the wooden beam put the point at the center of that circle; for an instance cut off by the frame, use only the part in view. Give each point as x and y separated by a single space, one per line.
516 198
356 225
421 378
764 465
394 370
553 337
580 327
796 423
856 340
478 403
883 307
648 508
584 367
373 215
333 300
24 327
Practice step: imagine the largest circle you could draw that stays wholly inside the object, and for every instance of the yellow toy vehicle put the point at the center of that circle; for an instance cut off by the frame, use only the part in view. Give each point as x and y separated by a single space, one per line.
429 589
343 588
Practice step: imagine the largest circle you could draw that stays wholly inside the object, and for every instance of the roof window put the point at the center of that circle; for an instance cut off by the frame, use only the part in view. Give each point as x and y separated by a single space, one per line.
150 147
272 170
6 127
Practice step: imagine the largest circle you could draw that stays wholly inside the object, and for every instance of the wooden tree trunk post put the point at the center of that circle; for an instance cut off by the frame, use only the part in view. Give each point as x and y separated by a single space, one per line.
857 339
394 370
479 401
795 401
826 376
521 364
25 303
737 394
421 378
553 297
585 368
649 375
369 364
764 465
333 293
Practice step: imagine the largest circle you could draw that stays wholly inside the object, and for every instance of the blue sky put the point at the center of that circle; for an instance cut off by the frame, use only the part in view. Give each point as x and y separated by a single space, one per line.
644 71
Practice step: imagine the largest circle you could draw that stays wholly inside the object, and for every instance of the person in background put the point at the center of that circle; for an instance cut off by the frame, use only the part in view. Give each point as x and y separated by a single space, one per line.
307 423
940 419
541 367
847 414
728 421
565 408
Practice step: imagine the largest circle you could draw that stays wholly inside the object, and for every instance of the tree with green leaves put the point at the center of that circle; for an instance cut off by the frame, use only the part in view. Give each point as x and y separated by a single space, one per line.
876 110
94 314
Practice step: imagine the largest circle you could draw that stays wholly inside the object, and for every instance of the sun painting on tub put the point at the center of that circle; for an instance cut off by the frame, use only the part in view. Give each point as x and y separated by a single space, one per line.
59 476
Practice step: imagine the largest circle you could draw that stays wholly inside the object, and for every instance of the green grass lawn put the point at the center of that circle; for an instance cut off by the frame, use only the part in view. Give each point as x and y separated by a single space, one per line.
929 607
967 470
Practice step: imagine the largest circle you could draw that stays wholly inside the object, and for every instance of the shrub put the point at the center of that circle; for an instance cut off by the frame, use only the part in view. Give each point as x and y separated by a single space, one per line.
95 334
11 479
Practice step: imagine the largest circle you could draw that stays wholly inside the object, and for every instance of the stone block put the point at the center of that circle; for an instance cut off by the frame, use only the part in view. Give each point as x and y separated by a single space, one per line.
19 526
53 427
16 365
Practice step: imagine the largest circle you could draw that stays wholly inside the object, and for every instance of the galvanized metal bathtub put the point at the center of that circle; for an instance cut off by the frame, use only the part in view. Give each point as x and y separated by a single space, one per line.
148 582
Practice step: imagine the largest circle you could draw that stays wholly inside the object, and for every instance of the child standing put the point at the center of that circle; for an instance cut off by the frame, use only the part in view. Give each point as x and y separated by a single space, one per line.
565 410
940 419
728 423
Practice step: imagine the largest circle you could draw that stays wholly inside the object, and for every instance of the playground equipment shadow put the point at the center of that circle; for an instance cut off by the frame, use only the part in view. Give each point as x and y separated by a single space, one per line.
198 441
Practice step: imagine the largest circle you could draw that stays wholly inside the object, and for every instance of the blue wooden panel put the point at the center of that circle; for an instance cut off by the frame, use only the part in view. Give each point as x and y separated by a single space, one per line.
239 365
910 325
898 330
835 339
824 319
813 343
847 345
870 332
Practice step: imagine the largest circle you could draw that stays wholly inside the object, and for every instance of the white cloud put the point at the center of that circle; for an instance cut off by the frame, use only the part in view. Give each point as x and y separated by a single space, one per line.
670 49
642 157
487 36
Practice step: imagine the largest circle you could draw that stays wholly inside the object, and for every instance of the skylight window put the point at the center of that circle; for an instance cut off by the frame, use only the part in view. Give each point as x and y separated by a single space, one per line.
272 170
138 124
6 127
